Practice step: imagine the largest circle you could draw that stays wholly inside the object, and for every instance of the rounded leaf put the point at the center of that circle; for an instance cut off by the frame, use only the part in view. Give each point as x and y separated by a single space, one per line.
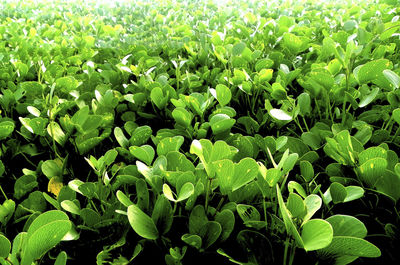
141 223
280 115
5 246
316 234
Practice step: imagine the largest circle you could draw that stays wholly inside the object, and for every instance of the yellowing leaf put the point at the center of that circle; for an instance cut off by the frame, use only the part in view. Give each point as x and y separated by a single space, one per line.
55 185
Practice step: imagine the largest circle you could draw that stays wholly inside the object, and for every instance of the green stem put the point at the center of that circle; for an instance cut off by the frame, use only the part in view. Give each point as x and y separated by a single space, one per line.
207 194
4 194
305 123
285 253
265 215
318 109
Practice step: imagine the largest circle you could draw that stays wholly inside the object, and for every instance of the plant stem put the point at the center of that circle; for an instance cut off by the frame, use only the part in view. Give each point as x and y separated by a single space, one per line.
4 194
265 215
285 253
207 193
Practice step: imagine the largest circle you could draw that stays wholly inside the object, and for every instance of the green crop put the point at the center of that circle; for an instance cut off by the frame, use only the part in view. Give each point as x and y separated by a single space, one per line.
191 131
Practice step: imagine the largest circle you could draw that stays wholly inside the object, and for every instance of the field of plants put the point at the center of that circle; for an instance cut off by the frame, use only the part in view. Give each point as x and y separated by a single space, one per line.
199 132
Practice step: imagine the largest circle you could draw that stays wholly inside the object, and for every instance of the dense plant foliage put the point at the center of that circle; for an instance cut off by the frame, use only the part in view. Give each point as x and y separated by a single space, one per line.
184 132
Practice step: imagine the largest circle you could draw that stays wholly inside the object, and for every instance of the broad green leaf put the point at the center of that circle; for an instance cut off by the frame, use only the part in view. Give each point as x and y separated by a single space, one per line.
224 94
221 123
162 214
55 131
353 193
141 223
226 219
169 144
185 192
245 171
346 225
392 77
389 185
121 139
296 206
90 217
338 192
43 239
123 199
313 204
273 176
70 206
365 100
289 225
61 258
45 218
372 70
34 111
209 233
238 48
372 170
316 234
140 135
51 168
182 116
304 102
248 213
280 115
353 246
197 219
307 171
192 240
225 170
5 246
144 153
295 186
6 128
158 98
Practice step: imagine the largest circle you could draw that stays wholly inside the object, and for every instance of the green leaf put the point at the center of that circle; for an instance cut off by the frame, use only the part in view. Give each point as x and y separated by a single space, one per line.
248 213
353 193
192 240
197 219
226 219
70 206
313 204
392 77
140 135
123 199
185 191
5 246
316 234
169 144
182 116
245 171
55 131
365 100
280 115
141 223
158 98
121 139
353 246
225 170
289 225
221 123
144 153
346 225
209 233
372 170
307 171
90 217
296 206
43 239
51 168
238 49
304 102
224 94
61 258
6 128
162 214
372 70
273 176
338 192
